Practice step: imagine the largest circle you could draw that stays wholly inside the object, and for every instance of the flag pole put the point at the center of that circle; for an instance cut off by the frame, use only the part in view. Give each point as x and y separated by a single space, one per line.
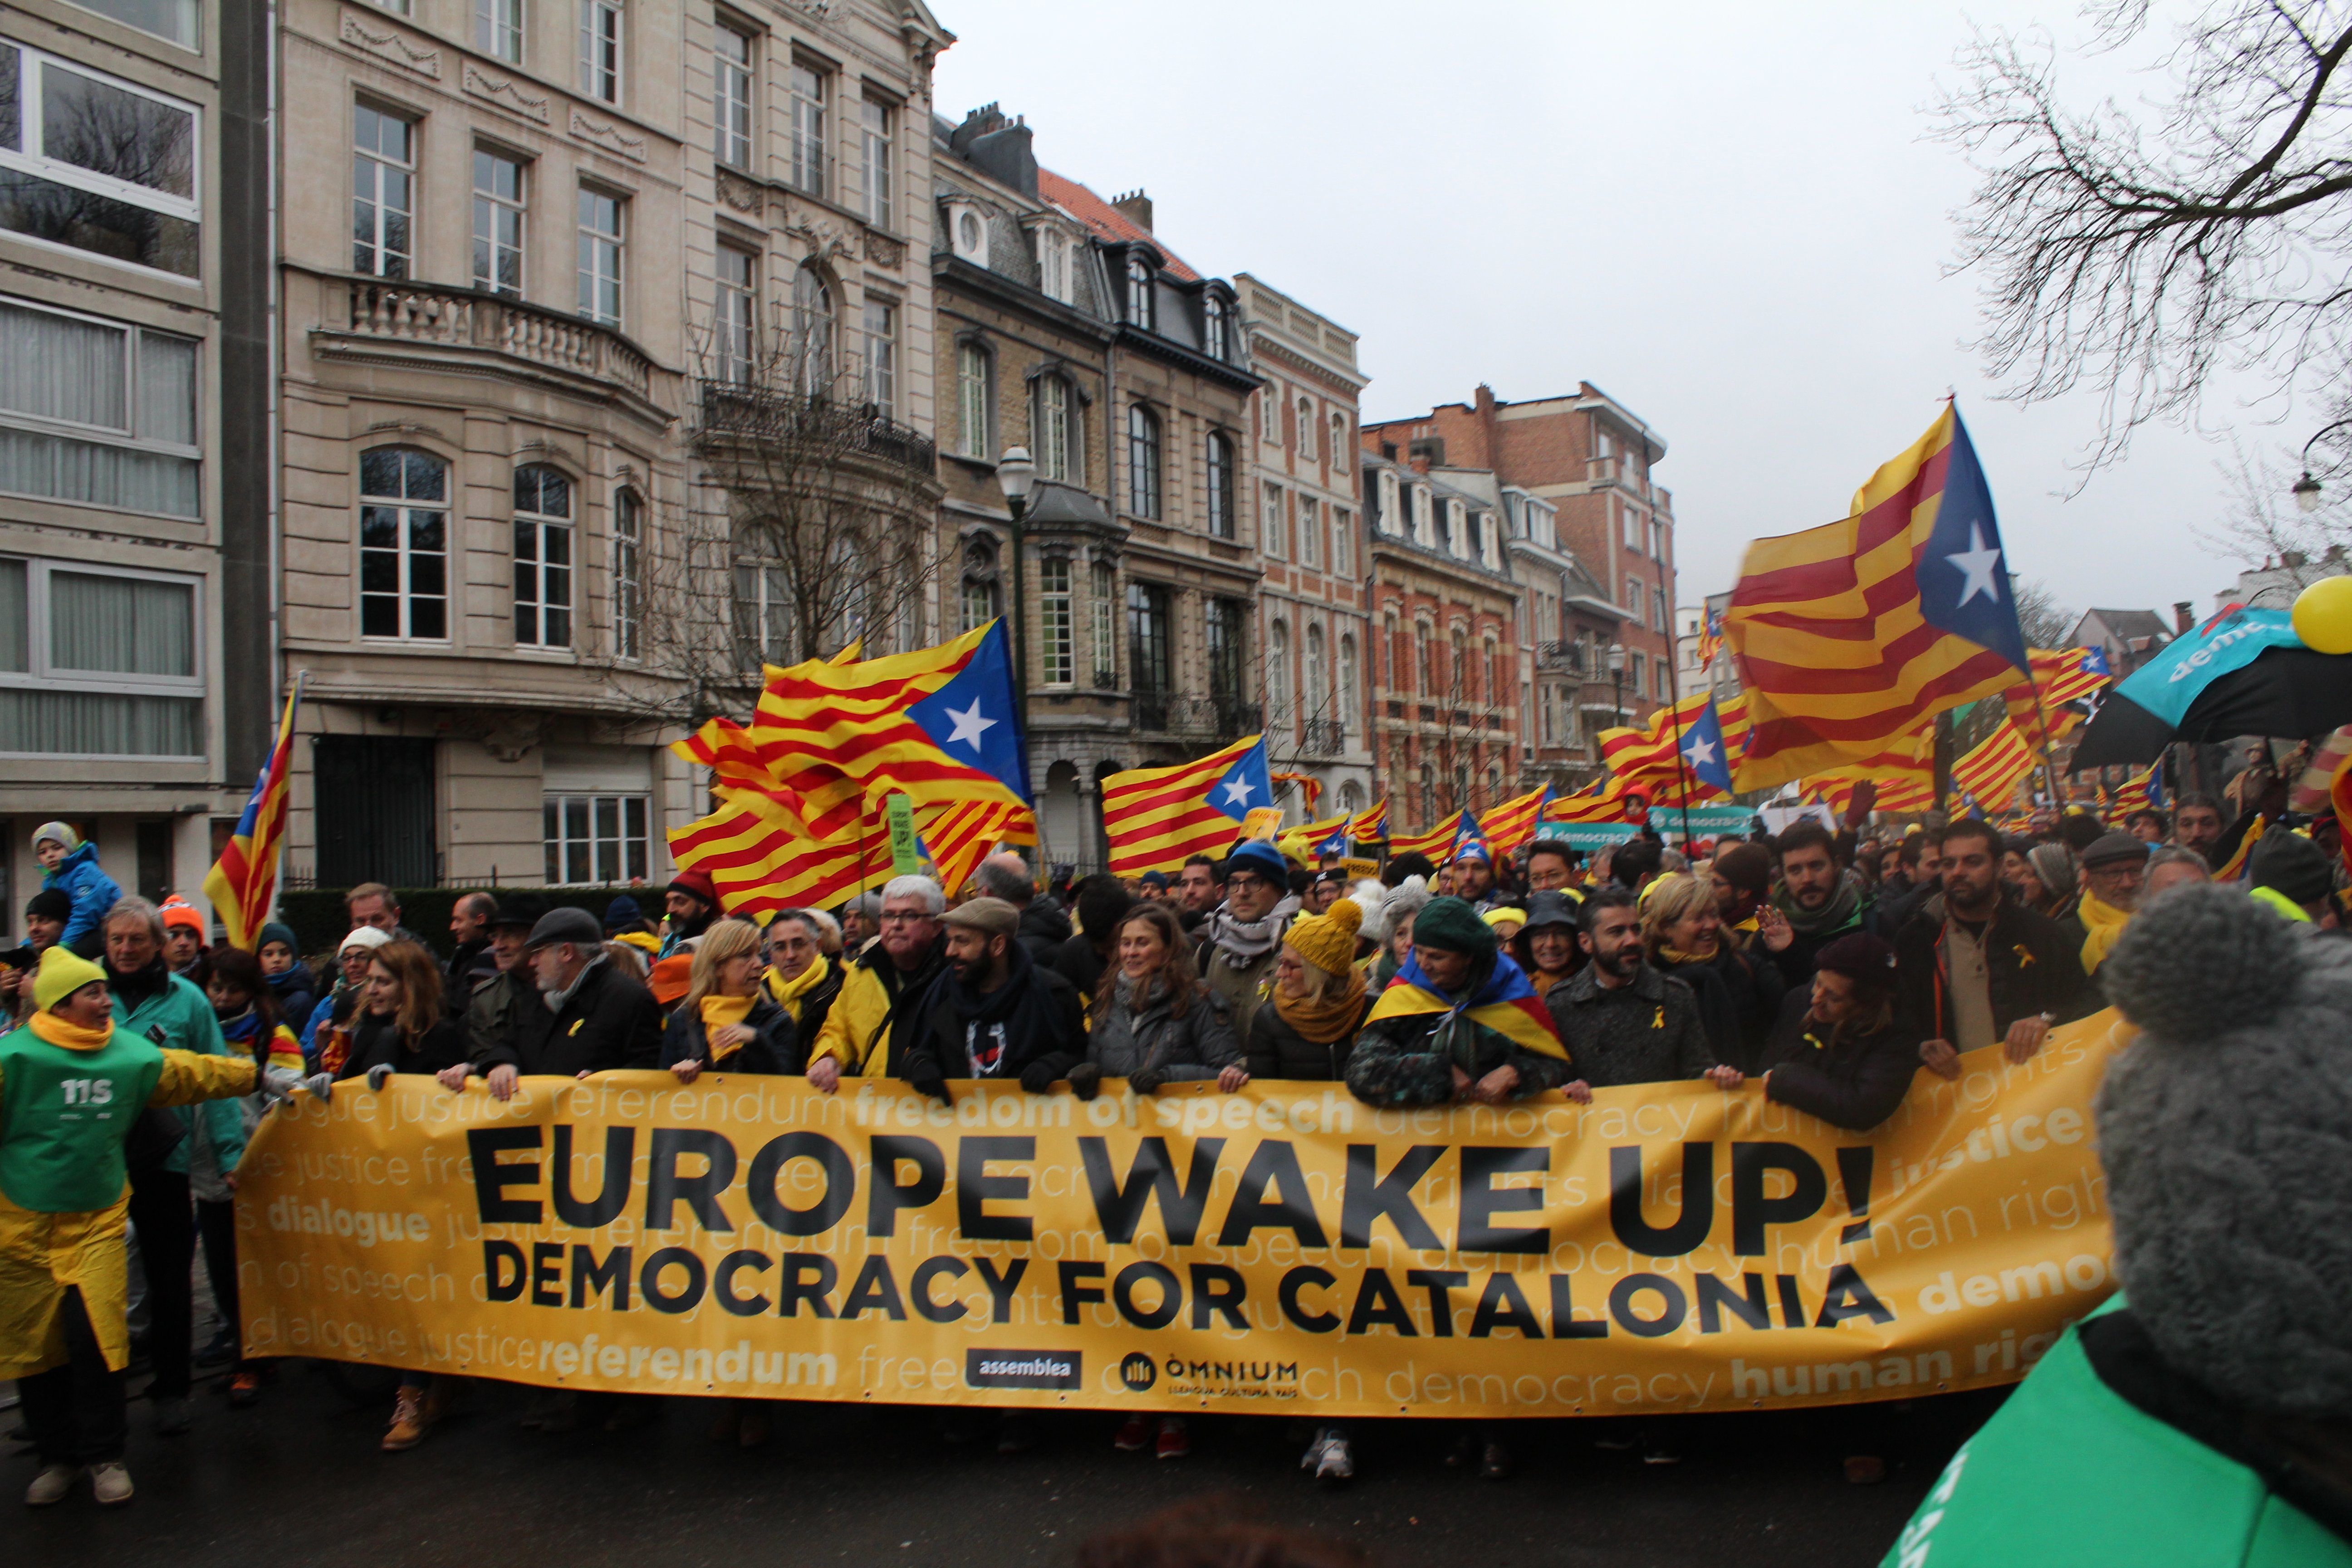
1682 769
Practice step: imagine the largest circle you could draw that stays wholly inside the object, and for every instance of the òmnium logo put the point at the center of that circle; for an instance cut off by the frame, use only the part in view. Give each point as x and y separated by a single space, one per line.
1021 1369
1139 1372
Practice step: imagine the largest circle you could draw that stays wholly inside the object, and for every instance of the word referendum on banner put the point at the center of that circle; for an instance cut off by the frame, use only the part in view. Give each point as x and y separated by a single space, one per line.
1675 1248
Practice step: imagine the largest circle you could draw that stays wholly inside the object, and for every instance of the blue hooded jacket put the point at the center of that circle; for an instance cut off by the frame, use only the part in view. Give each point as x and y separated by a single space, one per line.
93 892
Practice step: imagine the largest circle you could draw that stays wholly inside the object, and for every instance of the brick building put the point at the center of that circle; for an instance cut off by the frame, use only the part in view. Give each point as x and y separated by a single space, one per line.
1445 682
1590 459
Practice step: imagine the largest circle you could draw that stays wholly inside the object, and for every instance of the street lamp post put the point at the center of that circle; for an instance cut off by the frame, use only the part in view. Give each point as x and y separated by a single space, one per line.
1014 473
1617 680
2305 489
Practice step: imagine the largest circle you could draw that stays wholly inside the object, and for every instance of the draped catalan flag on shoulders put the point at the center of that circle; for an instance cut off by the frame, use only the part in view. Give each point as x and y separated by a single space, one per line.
1850 635
1504 1003
1158 817
243 883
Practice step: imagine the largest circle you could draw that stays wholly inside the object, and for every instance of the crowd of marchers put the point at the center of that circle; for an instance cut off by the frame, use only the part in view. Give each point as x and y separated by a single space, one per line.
1827 965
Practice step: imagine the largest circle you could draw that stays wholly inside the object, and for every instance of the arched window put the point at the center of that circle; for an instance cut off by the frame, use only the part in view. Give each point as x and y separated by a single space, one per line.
1348 707
1212 327
981 598
1351 798
1142 461
1311 531
814 330
972 368
1138 292
1055 430
1305 426
628 574
542 557
1338 440
1314 692
1221 486
404 544
1419 515
1456 541
1277 672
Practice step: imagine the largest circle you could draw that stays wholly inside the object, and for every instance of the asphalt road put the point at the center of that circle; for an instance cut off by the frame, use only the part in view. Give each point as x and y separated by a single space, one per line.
299 1480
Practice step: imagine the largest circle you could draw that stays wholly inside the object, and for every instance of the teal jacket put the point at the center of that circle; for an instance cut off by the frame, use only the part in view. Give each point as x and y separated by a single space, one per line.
2071 1475
184 1015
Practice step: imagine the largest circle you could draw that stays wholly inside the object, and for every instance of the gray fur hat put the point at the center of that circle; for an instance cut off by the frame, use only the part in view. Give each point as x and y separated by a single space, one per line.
1404 899
2226 1131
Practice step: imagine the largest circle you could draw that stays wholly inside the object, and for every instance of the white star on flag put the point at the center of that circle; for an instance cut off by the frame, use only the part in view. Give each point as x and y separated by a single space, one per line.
1701 751
970 726
1975 563
1238 790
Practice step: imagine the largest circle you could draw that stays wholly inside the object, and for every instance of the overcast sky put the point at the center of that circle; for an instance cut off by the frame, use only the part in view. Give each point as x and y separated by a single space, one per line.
1725 216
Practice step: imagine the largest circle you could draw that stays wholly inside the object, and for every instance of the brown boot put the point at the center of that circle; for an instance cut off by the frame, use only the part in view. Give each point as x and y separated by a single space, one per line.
410 1420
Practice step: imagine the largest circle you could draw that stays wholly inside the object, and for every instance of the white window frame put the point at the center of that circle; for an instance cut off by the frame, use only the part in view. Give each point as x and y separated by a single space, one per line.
1053 263
1457 543
810 153
1637 593
877 126
190 37
403 593
881 328
1054 428
602 246
732 97
1303 428
558 844
381 162
1349 676
1310 530
41 675
973 368
31 71
603 40
1271 540
1487 543
628 574
1421 519
1343 543
1057 654
540 529
1214 335
1138 292
127 438
768 605
1104 581
499 29
735 315
1393 522
491 203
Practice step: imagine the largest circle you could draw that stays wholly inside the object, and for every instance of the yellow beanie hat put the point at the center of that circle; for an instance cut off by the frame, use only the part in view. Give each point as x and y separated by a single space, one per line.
63 972
1327 941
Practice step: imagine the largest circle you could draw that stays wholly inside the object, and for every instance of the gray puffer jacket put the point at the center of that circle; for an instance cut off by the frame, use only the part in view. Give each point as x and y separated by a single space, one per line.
1123 1041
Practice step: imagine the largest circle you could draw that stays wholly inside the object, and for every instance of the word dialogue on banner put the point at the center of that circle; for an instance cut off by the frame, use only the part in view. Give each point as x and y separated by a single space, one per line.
1669 1248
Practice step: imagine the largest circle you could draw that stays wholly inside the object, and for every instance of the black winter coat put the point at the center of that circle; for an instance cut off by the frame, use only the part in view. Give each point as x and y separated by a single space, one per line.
1044 926
1646 1031
1716 1014
776 1051
933 1045
1276 1050
2033 964
1856 1084
1076 962
376 1041
609 1021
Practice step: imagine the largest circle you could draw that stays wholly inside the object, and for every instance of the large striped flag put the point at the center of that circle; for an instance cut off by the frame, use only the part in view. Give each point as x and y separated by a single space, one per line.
960 834
1849 636
1513 823
1505 1001
1370 825
1904 775
1156 818
758 853
1993 767
1435 842
243 883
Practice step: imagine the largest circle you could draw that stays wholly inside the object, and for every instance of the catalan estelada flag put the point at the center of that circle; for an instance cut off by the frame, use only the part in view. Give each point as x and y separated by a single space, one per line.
1505 1002
1993 767
1156 818
243 883
1513 823
1311 840
1434 843
1368 826
960 834
1849 636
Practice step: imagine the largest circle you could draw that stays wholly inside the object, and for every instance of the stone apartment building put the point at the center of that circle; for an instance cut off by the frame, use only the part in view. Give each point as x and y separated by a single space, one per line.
529 254
1591 459
1303 483
137 691
1446 695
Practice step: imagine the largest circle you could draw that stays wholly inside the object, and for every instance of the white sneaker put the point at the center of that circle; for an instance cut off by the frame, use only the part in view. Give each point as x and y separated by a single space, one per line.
1337 1467
51 1485
109 1484
1313 1457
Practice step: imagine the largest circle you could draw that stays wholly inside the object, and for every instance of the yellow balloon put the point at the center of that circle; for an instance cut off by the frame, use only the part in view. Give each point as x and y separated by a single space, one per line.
2323 615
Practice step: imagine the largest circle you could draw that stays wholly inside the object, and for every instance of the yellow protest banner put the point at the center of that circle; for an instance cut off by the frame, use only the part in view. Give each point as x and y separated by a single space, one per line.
1262 821
1673 1248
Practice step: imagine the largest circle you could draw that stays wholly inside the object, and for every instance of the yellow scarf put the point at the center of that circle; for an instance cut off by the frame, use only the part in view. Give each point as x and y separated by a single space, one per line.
788 993
1673 954
72 1036
2105 922
717 1012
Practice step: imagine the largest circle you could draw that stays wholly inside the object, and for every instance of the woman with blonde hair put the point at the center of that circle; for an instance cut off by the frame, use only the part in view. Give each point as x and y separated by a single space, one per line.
1682 935
727 1021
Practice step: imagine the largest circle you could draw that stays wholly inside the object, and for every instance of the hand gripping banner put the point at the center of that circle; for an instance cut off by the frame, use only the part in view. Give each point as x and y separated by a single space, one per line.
1667 1248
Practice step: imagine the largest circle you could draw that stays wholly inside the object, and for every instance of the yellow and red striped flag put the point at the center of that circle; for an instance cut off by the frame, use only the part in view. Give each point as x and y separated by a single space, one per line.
243 883
1301 843
1156 818
1310 788
961 834
1435 843
1993 767
1850 635
1513 823
1368 824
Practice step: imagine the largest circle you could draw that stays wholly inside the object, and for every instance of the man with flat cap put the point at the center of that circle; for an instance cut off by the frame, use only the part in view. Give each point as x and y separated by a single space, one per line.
992 1012
2112 867
495 1010
587 1015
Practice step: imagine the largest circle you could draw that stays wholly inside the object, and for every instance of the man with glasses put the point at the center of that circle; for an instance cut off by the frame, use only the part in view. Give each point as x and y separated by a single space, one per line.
800 977
1241 938
897 969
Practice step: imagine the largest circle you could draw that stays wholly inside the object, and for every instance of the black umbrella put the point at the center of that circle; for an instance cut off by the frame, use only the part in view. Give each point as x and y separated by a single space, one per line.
2287 691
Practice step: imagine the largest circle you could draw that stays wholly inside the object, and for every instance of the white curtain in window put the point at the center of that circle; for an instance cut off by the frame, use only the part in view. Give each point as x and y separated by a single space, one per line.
121 625
167 388
16 628
98 723
61 368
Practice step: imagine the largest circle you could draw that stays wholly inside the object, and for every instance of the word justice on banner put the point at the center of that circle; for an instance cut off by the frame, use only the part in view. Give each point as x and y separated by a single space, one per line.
1666 1248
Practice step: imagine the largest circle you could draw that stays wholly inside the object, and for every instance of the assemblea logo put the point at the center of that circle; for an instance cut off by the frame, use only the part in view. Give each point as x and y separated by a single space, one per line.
1021 1369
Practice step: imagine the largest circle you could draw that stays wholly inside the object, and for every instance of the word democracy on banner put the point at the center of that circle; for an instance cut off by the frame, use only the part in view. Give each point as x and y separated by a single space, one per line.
1670 1247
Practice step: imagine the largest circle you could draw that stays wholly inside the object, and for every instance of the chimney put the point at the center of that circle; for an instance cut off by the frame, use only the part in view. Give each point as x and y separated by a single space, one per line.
998 147
2184 617
1136 207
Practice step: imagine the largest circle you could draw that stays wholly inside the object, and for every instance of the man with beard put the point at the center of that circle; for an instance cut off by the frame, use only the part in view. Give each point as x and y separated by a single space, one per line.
1820 900
589 1015
1200 888
2197 824
991 1014
692 903
2112 869
1988 969
1473 876
894 972
1241 940
1621 1020
1924 857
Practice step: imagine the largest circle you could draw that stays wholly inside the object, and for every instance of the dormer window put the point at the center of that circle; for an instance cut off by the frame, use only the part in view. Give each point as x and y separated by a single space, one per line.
971 236
1212 327
1054 264
1138 292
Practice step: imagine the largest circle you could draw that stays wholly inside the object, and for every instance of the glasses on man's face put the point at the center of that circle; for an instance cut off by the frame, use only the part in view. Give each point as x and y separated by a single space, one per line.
1243 884
902 917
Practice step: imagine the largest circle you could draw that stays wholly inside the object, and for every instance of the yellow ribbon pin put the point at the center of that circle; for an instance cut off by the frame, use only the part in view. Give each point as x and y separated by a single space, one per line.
2025 958
1659 1021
